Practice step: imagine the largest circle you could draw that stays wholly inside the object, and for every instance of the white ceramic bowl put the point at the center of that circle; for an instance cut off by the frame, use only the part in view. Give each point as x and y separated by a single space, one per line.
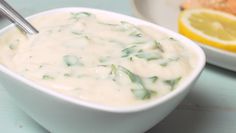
62 114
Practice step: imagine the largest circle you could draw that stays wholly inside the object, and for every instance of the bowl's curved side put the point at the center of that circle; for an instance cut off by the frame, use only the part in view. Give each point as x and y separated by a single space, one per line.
61 116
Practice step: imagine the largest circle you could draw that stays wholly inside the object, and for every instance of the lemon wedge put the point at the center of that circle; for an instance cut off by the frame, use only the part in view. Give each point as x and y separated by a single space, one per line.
210 27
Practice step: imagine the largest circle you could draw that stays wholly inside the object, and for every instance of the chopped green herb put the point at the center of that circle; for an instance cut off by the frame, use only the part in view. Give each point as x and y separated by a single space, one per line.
80 35
126 25
47 77
127 51
108 24
104 59
143 93
139 42
131 29
140 51
86 37
81 76
113 70
102 65
173 82
78 15
169 60
136 33
140 91
71 60
173 39
131 58
153 79
148 56
137 51
158 46
77 33
164 64
67 75
133 77
14 44
116 42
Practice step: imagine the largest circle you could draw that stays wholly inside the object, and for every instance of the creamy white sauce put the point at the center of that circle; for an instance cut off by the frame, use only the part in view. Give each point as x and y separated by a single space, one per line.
85 56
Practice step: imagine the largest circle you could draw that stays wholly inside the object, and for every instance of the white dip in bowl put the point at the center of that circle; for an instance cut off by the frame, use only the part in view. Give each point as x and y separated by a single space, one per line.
96 71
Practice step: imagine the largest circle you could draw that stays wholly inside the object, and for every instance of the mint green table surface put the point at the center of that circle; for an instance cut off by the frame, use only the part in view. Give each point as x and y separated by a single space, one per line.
210 107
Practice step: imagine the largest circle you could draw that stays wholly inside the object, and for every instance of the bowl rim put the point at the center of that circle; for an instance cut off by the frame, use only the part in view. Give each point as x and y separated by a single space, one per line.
201 59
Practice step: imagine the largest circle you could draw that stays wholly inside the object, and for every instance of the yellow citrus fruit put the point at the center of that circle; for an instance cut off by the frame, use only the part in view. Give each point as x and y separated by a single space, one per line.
211 27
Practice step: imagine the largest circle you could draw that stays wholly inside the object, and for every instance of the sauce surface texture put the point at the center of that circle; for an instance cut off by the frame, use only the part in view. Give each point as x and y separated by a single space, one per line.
96 59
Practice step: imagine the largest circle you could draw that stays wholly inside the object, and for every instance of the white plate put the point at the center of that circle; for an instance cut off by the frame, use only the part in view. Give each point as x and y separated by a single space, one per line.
165 13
